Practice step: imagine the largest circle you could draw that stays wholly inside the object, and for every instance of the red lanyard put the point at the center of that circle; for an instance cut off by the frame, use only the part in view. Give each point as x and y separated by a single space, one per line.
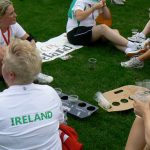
7 40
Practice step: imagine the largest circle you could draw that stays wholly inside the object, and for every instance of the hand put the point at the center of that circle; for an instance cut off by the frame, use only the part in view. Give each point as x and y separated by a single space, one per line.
104 2
147 45
98 5
141 108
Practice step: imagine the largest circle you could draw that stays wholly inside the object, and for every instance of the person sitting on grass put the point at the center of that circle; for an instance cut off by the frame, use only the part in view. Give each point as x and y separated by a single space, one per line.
9 29
139 137
138 61
82 29
30 113
140 37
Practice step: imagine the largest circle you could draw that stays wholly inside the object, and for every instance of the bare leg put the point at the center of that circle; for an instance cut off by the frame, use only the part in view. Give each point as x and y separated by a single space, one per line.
146 147
122 48
146 29
136 139
105 31
144 56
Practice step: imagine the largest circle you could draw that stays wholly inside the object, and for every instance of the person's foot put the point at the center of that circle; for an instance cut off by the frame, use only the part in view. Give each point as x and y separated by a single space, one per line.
117 2
133 63
134 51
137 38
43 78
138 48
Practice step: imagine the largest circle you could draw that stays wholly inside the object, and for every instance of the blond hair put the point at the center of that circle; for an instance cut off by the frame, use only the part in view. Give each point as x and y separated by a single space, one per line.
4 5
23 59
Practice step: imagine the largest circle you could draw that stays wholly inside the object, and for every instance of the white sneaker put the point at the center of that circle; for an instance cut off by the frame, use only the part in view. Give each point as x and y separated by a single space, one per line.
117 2
137 38
134 51
138 48
43 78
133 63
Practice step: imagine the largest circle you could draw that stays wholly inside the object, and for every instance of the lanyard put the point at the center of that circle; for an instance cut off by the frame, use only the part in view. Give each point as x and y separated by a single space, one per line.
92 12
7 40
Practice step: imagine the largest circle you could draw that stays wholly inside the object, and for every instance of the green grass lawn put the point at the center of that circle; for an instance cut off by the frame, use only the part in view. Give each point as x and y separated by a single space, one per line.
45 19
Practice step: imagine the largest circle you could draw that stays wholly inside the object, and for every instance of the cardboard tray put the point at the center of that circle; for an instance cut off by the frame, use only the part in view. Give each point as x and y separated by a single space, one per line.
120 98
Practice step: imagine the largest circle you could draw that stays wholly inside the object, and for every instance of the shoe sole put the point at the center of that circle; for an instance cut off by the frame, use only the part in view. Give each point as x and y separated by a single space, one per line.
134 53
138 67
135 40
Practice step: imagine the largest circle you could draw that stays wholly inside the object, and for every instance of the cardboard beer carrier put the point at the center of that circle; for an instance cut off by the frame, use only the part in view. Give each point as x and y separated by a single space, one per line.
120 99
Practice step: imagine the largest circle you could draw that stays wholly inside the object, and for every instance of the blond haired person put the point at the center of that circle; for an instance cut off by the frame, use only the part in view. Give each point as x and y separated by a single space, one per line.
9 28
30 113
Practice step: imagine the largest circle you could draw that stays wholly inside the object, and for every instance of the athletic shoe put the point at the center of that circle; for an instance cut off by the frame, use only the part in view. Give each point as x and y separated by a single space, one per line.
132 52
133 63
137 38
43 78
138 48
117 2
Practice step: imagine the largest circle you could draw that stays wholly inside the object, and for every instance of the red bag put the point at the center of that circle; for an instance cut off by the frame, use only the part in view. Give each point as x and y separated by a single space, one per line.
69 138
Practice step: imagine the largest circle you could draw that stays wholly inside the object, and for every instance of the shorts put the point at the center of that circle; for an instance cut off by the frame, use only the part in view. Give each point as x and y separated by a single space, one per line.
80 36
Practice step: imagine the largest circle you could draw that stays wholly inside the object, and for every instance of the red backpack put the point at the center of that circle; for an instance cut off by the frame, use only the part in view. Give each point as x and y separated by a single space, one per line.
69 138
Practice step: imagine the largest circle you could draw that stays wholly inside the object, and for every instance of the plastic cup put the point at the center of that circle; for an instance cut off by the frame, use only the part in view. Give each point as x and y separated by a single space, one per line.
134 31
145 83
59 91
73 98
143 96
92 63
149 12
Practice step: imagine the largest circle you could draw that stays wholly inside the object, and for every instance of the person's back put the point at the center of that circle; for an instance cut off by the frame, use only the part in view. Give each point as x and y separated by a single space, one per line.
29 113
29 117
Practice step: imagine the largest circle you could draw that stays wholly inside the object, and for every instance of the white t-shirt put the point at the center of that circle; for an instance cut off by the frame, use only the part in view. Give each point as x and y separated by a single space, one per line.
89 21
30 117
15 31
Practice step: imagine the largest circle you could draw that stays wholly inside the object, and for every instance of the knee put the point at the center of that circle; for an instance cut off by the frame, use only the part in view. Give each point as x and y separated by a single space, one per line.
117 31
104 28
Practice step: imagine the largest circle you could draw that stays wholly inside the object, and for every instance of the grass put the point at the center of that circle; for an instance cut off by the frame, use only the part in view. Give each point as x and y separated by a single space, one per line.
46 19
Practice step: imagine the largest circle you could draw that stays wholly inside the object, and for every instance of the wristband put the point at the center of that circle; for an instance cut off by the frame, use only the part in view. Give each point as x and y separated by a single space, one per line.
30 38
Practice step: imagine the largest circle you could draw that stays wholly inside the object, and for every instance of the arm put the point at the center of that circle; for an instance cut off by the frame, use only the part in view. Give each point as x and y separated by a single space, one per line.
25 36
29 38
146 119
19 32
83 14
142 109
106 11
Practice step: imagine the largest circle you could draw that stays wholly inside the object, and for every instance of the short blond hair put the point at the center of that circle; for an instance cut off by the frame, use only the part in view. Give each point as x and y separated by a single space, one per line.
4 5
23 59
